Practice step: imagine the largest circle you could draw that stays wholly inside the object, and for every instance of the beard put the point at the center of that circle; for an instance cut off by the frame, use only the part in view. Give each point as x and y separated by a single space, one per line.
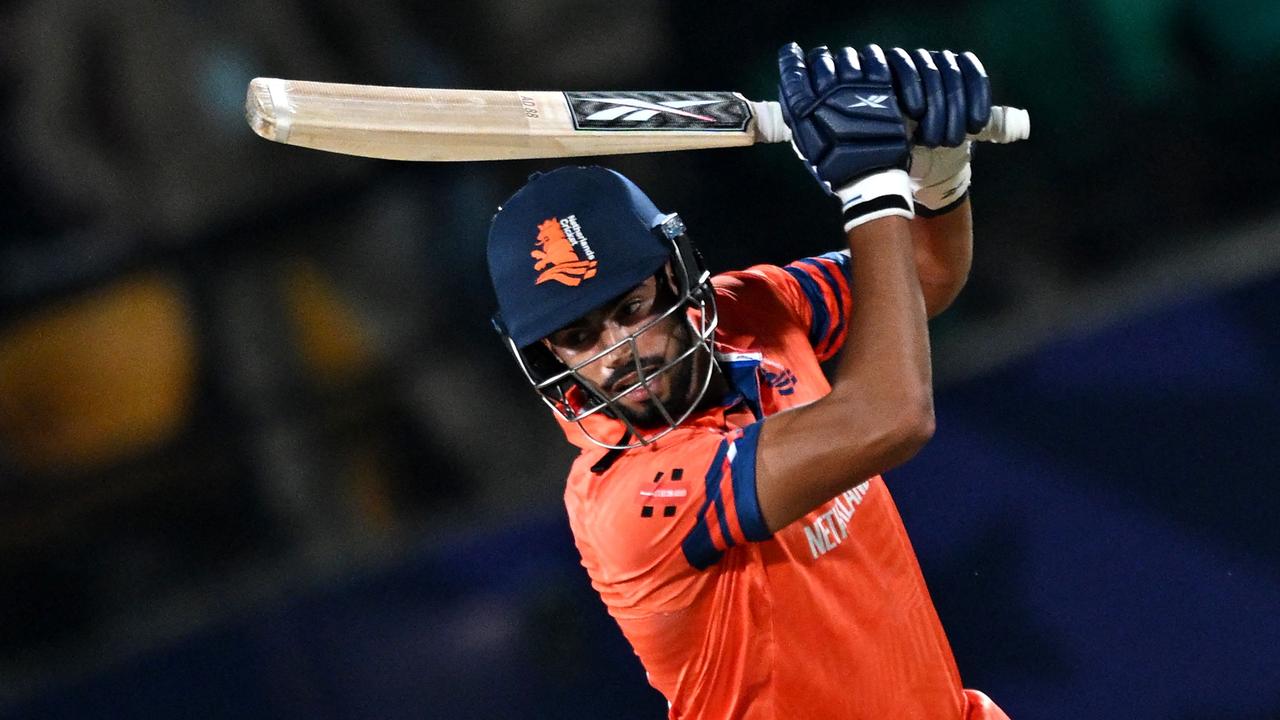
680 383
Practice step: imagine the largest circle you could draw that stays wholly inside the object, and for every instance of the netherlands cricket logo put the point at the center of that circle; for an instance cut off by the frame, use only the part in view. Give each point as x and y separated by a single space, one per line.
562 253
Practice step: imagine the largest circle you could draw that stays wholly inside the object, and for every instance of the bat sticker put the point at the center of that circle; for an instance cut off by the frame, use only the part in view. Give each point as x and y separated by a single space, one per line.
715 111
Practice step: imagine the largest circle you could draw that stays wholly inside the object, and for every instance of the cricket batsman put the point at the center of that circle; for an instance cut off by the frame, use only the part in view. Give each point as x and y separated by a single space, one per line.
727 500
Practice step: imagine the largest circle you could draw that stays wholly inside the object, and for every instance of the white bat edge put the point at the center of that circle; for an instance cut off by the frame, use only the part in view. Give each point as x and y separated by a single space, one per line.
1007 124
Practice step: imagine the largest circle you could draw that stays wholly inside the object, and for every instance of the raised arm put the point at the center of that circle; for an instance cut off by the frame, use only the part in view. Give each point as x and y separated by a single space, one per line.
947 96
943 248
880 411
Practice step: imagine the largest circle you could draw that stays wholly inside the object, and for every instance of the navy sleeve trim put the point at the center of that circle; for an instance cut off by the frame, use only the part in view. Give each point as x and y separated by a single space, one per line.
835 289
821 320
746 496
698 548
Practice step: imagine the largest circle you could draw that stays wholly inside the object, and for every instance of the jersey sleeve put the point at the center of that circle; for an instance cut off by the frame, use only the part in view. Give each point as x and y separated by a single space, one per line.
729 513
814 292
662 521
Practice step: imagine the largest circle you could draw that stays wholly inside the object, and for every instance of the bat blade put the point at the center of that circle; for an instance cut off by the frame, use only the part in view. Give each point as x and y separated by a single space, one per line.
397 123
455 125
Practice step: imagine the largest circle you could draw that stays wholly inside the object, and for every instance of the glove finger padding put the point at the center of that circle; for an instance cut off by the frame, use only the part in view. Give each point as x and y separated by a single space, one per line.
953 89
793 78
932 123
875 67
956 98
977 90
906 80
822 70
848 66
846 123
794 85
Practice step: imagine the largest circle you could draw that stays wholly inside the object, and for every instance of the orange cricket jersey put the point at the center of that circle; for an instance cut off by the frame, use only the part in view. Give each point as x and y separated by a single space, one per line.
829 617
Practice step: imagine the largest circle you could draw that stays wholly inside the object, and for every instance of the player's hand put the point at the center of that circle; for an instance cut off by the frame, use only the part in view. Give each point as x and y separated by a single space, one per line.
948 96
846 124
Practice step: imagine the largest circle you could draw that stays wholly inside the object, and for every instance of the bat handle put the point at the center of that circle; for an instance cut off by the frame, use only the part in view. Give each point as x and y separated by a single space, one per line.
1007 124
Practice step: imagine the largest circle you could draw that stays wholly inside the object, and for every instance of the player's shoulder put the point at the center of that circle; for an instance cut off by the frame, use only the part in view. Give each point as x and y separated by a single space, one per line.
761 278
630 521
779 278
643 494
603 478
754 296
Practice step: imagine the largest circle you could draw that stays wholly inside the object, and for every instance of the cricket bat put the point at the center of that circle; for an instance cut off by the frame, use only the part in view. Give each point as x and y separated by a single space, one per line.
398 123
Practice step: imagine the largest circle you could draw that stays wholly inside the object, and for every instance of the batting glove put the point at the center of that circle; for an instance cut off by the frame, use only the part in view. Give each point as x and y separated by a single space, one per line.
948 96
847 127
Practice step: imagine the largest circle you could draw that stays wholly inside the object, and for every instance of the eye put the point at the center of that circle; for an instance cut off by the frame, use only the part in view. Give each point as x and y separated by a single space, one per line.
573 339
636 308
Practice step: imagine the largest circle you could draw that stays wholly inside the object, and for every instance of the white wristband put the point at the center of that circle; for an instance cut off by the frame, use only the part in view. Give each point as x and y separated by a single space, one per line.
875 196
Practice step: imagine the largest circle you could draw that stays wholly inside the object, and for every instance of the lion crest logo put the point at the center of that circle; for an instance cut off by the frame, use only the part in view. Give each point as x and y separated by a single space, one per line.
556 257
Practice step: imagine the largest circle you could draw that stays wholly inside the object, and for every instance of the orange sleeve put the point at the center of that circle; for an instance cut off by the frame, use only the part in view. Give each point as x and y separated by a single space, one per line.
669 517
814 292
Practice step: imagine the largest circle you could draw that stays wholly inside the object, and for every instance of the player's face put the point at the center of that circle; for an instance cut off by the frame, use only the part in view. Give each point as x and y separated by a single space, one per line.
657 342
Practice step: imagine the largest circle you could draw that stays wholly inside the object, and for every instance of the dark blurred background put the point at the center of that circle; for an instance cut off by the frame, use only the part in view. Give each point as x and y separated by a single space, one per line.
261 456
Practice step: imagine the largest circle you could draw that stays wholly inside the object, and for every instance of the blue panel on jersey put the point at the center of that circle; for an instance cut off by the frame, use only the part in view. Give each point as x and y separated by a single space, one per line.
745 378
821 322
745 495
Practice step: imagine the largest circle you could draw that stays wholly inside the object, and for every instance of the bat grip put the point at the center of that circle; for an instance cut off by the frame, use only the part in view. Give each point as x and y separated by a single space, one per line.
1007 124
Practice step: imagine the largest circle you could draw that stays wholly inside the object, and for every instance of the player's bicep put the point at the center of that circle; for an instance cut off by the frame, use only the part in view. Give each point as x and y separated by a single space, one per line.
807 455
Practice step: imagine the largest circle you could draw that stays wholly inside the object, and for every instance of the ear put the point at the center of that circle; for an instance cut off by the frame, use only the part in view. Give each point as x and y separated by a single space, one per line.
551 349
669 273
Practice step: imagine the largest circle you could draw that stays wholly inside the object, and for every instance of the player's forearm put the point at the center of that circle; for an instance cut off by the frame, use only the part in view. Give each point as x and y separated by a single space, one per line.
880 409
886 367
943 255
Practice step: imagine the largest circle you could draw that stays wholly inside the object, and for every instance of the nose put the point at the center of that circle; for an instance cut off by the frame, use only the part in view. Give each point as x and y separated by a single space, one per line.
622 355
